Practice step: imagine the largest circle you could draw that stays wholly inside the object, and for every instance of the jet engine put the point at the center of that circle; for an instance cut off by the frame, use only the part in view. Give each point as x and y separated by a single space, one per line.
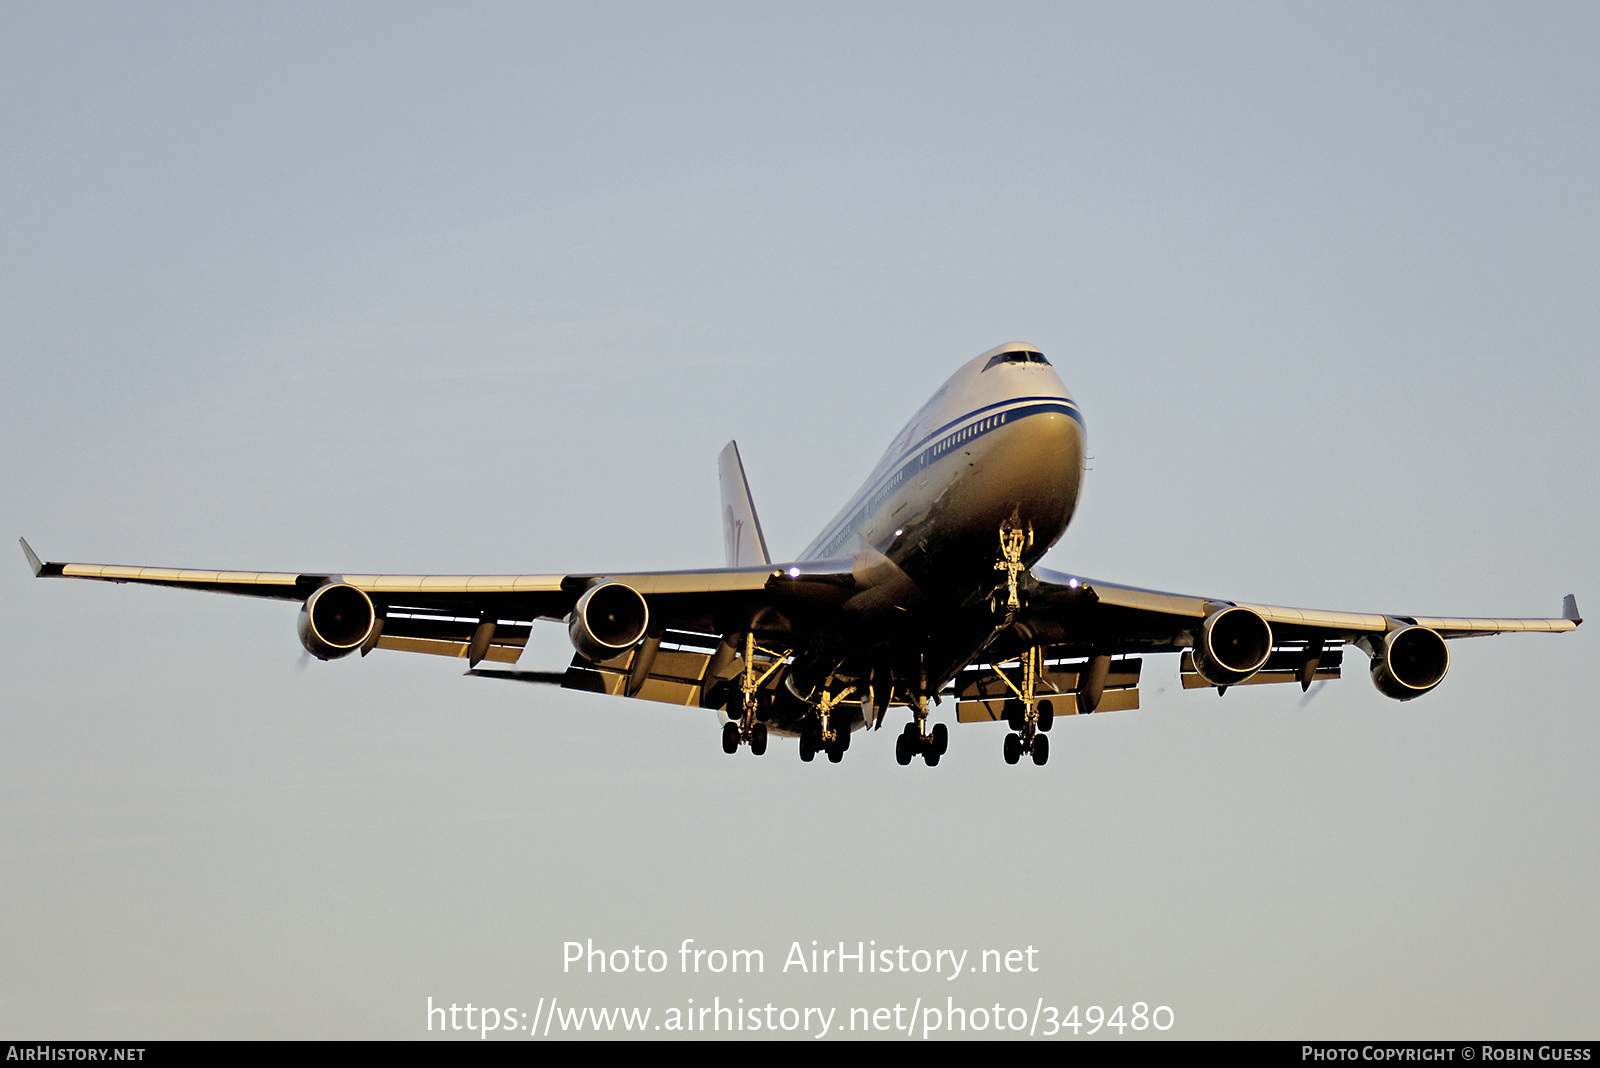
1409 662
336 620
1233 644
608 620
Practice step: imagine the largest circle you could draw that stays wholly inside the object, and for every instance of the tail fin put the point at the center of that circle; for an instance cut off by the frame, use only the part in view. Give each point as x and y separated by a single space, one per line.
741 530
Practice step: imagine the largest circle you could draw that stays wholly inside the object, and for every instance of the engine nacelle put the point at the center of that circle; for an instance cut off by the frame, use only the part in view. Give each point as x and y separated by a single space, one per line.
1233 644
336 620
1409 662
608 620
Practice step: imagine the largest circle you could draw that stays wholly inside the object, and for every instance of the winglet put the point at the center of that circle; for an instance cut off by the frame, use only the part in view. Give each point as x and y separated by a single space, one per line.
38 566
1569 609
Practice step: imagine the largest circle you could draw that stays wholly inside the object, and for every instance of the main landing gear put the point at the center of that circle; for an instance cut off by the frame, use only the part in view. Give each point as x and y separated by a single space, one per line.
1027 716
821 735
916 740
748 728
732 736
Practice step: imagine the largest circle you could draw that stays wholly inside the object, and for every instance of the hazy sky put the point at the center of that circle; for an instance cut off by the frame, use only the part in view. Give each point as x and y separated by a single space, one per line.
485 288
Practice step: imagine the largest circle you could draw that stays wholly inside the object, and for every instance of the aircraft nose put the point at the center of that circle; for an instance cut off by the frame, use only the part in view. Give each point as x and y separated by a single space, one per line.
1036 468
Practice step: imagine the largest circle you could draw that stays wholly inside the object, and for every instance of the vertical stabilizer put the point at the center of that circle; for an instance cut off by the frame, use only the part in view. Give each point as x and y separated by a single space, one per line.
741 530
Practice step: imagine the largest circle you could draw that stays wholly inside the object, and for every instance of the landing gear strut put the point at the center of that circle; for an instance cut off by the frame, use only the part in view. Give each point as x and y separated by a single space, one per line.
821 735
1014 541
1027 716
748 728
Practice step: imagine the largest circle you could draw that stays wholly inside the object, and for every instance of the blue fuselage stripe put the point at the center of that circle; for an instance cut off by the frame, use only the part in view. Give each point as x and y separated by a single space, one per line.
925 453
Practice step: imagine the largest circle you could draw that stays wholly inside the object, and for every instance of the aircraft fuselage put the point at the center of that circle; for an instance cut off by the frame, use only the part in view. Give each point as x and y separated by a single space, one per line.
1000 445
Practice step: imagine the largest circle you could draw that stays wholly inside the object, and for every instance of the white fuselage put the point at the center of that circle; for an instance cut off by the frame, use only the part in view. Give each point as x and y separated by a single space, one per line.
1001 444
1001 440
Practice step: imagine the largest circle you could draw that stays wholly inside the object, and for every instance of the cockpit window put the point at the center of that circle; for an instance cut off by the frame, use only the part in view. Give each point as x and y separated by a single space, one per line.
1017 356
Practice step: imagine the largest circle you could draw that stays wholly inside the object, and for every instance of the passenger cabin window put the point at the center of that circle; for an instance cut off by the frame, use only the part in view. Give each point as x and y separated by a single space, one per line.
1020 356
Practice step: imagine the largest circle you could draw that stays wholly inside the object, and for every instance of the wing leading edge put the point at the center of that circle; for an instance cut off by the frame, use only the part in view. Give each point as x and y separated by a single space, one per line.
489 616
1154 609
1229 643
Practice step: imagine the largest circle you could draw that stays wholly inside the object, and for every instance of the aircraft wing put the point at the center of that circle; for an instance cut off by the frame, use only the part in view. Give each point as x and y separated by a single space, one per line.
1091 634
447 614
1154 621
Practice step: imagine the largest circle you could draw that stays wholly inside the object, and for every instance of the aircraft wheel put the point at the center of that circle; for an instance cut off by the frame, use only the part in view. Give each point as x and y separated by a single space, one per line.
1016 713
931 758
1047 715
939 739
808 750
758 739
730 737
1041 749
902 750
1013 749
835 753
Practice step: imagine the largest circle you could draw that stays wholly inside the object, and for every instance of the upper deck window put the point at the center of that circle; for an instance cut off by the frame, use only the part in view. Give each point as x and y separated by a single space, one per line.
1018 356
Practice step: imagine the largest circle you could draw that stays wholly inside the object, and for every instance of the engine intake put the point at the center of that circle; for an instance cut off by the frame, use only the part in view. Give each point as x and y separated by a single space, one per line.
1234 643
608 620
1409 662
336 620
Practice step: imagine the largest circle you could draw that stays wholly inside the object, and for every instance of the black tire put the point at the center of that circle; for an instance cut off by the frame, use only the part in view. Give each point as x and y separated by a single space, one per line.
1041 749
1013 749
1047 715
808 749
835 754
1016 714
939 740
730 737
931 758
758 739
902 750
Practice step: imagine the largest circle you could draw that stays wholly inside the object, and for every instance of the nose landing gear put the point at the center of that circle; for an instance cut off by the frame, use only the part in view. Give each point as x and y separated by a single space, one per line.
1014 541
1027 716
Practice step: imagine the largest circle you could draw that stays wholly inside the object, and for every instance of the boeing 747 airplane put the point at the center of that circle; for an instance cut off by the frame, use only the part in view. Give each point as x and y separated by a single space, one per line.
924 586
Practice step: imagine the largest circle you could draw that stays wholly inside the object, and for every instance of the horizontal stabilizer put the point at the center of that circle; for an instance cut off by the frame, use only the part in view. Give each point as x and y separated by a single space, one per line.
994 712
547 678
982 693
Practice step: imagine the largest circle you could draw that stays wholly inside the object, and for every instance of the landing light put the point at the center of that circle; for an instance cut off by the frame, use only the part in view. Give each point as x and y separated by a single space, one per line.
1072 583
794 572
